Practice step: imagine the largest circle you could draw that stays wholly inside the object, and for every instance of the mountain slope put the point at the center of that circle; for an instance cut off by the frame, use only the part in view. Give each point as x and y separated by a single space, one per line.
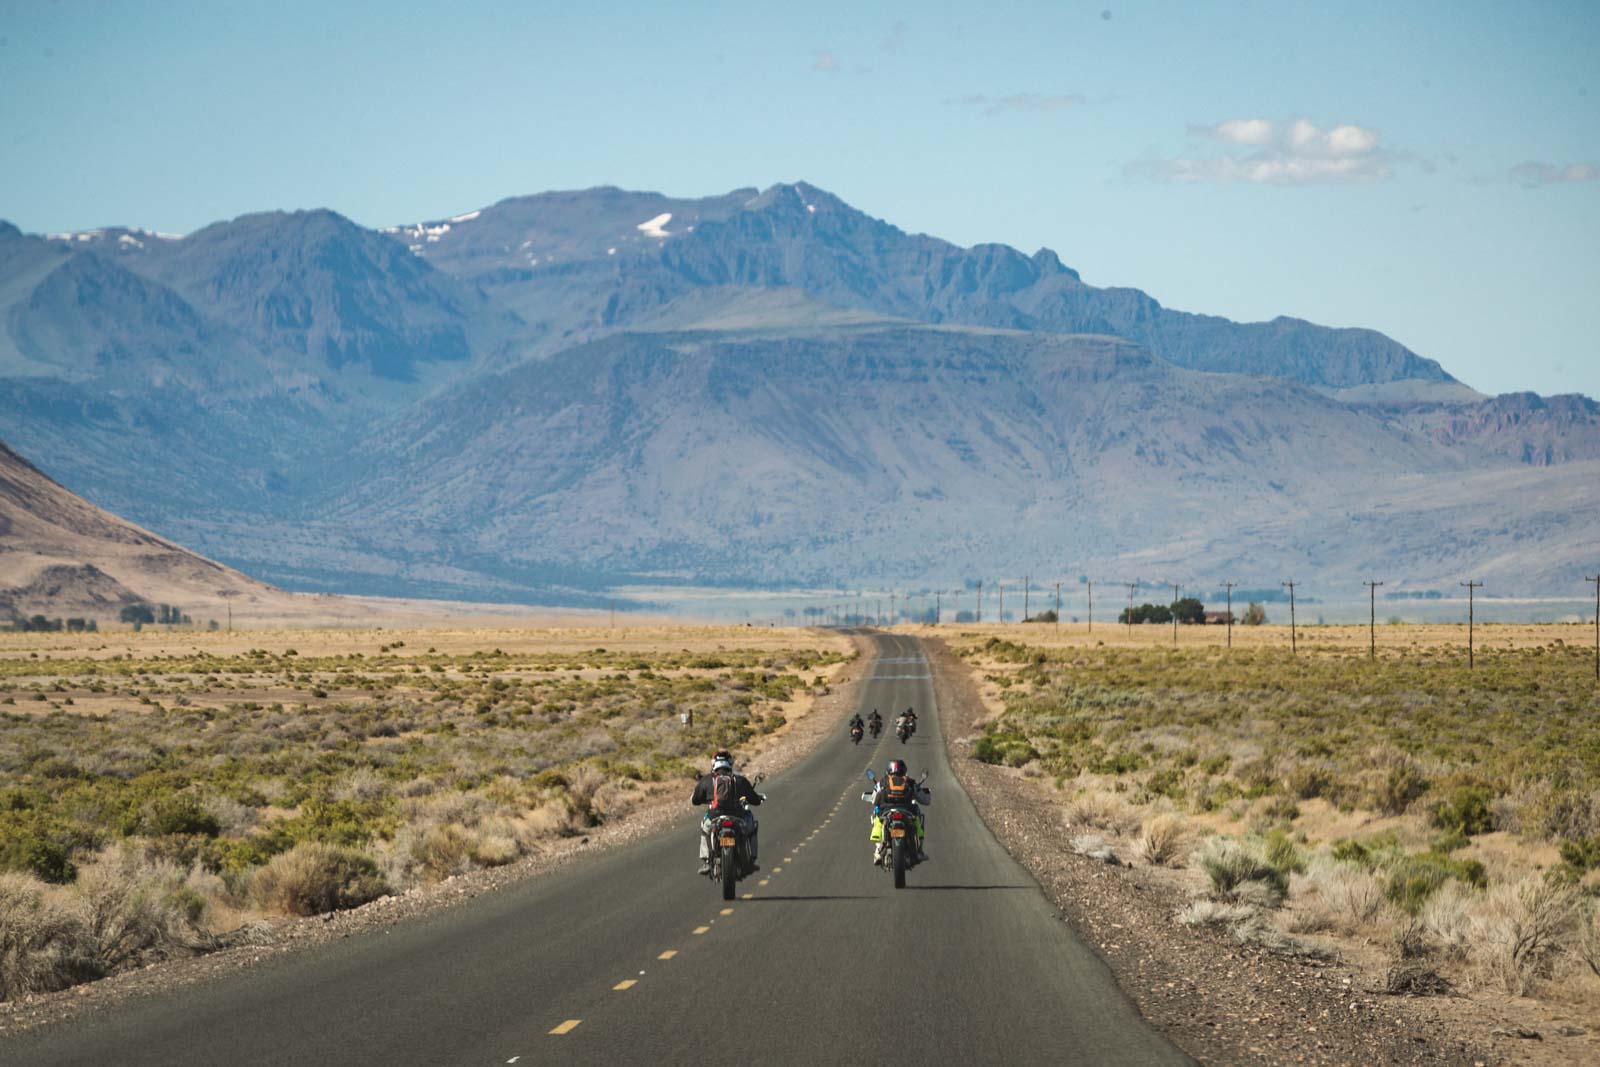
867 452
60 554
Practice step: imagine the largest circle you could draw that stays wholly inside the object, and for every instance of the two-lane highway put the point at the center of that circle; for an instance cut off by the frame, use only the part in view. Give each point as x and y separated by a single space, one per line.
630 955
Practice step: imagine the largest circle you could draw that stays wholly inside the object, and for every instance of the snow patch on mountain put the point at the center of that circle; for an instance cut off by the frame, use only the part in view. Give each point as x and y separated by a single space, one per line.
656 227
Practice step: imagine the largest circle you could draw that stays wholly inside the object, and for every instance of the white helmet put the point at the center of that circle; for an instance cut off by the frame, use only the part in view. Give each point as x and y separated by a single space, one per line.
722 761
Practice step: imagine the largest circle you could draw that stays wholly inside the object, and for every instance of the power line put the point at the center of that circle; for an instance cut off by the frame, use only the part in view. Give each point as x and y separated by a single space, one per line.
1294 645
1372 620
1470 586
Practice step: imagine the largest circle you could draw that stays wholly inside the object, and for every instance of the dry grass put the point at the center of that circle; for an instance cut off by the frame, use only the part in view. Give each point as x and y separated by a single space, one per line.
1445 819
1164 841
296 773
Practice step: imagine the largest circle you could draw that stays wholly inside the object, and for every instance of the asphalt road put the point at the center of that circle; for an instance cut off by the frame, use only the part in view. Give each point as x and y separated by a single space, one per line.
629 955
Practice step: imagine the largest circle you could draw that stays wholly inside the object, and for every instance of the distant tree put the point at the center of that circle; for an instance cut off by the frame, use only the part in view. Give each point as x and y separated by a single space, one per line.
1255 614
214 626
965 616
137 613
77 626
1048 615
1189 610
1157 613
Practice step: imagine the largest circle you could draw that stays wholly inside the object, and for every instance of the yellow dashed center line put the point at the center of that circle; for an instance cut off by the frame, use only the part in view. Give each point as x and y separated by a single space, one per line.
725 911
749 896
567 1027
667 955
702 929
626 983
764 881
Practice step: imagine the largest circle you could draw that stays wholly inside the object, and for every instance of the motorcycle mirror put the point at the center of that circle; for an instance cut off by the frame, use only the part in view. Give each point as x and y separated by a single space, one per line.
870 776
760 778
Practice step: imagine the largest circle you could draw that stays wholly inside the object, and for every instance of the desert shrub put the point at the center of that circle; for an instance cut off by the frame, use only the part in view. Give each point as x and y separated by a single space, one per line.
1524 928
1413 879
1465 811
1009 749
134 910
1307 781
1581 855
315 878
1164 841
1446 916
1283 854
1236 869
1397 784
43 946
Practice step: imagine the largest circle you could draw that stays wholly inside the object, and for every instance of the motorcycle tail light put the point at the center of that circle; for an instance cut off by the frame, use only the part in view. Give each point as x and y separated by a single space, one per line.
896 816
727 822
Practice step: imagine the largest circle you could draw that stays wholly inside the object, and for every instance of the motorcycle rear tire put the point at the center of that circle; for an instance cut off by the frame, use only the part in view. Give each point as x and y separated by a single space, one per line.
897 860
730 876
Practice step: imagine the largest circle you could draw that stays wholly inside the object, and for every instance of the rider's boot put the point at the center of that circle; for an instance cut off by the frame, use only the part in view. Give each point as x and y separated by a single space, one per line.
705 852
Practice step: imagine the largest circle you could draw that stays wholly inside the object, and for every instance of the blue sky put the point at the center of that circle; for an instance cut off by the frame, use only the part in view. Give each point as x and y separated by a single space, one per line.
1432 171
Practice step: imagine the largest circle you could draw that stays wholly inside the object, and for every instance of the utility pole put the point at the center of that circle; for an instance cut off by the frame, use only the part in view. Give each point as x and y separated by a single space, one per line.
1132 588
1229 586
1058 605
1372 619
980 599
1596 582
938 607
1470 586
893 618
1294 646
1175 589
1002 618
1091 607
1026 579
613 614
230 616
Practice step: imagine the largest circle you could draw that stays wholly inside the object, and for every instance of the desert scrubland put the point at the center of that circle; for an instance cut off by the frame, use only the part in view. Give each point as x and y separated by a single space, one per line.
1437 824
161 790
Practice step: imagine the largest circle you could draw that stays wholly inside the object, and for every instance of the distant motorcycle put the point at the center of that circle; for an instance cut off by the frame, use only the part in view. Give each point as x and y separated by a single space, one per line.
897 829
903 729
876 726
855 733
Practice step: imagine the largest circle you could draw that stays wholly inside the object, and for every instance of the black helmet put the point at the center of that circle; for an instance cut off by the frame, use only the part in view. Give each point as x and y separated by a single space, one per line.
897 766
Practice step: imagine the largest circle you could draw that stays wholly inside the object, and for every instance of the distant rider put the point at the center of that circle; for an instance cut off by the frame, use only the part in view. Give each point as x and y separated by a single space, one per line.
898 789
875 719
856 722
727 793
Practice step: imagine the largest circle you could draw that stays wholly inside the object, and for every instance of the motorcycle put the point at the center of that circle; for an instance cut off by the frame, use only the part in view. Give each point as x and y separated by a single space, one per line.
730 853
903 729
876 726
855 733
897 829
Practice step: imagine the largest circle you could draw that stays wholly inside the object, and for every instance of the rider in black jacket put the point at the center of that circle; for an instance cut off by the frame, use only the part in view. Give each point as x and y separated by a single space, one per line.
734 798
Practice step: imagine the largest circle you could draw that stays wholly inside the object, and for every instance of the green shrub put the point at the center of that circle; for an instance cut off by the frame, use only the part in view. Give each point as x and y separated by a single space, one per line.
1465 811
1231 865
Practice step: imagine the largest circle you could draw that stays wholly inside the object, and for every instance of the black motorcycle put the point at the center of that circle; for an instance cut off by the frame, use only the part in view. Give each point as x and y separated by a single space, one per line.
901 845
876 726
855 733
730 851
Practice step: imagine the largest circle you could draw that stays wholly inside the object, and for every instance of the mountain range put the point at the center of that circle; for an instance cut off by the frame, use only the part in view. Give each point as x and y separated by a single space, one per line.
571 391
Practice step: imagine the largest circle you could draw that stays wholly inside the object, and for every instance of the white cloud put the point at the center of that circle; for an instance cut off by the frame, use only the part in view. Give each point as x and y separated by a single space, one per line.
826 62
1297 152
1024 102
1531 175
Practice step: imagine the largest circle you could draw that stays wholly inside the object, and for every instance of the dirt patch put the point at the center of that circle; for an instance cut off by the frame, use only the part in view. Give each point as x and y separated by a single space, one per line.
809 720
1218 1000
